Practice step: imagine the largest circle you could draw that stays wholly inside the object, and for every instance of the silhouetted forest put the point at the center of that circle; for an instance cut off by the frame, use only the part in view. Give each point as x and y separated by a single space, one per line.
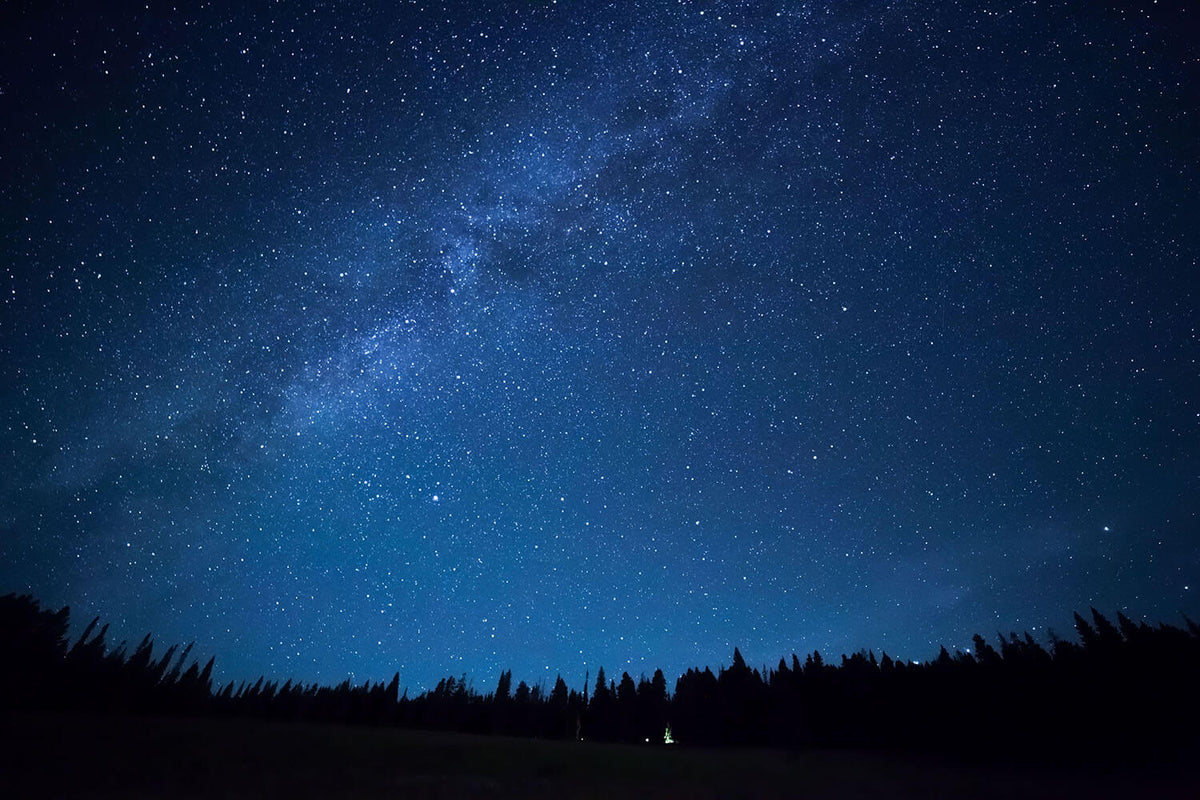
1121 689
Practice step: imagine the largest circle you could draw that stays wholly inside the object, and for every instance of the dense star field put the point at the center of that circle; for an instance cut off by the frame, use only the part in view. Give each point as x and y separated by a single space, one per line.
545 336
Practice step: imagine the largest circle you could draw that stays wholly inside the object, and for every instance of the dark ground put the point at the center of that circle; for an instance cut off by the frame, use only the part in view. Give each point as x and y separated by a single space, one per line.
45 755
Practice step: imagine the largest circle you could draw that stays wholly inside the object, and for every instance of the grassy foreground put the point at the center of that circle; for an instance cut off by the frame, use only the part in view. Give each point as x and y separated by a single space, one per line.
45 755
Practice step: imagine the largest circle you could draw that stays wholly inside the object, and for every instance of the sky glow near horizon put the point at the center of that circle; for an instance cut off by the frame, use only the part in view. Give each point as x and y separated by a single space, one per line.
550 336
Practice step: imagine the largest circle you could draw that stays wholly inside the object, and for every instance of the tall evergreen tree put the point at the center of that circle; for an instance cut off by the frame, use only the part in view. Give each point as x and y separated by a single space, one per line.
504 687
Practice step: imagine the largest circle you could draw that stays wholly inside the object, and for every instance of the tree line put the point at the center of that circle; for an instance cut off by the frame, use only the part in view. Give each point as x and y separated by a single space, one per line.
1123 688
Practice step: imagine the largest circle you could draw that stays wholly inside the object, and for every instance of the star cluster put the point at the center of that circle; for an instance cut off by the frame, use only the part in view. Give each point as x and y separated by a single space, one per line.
549 335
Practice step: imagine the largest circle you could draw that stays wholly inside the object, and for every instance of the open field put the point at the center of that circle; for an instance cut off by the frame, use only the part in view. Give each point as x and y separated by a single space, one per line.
79 756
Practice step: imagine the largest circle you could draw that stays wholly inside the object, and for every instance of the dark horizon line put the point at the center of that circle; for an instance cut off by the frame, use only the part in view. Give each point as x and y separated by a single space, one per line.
468 679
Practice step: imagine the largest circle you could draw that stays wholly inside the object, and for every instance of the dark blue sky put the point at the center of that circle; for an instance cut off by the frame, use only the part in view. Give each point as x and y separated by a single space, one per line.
548 336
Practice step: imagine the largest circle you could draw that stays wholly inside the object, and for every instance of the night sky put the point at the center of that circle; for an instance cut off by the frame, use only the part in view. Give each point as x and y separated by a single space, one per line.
452 338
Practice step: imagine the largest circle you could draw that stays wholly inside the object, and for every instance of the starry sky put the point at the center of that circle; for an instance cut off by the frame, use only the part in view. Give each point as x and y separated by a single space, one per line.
457 337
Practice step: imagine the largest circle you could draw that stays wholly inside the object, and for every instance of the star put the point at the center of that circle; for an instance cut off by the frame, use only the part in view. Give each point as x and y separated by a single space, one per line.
347 304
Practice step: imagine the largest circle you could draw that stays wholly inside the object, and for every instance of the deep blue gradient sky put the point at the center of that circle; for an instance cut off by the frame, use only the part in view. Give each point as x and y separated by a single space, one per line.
458 337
